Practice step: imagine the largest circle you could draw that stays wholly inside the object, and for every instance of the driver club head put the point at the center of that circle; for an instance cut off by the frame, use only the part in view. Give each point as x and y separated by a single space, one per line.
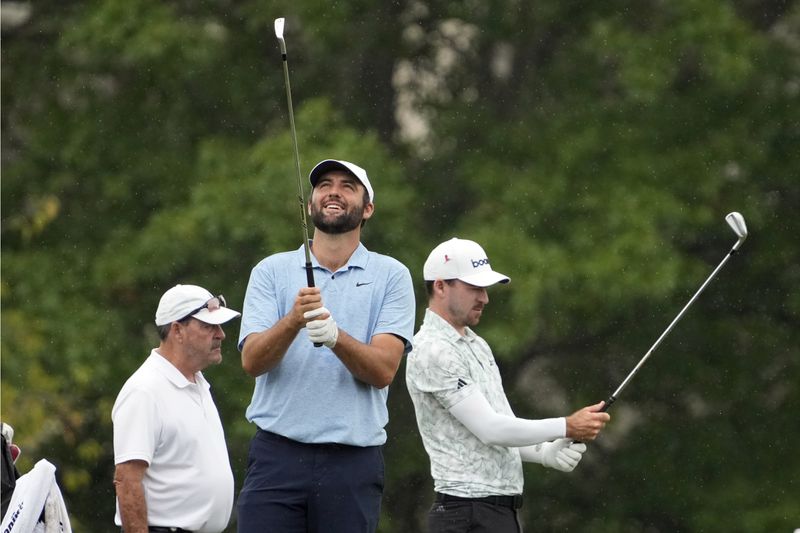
736 221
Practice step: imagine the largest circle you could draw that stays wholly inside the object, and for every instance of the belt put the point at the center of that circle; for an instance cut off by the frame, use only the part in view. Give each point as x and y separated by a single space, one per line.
274 437
161 529
514 502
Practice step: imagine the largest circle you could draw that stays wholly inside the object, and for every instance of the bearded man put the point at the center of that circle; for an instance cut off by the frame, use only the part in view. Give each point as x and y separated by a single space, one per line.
316 460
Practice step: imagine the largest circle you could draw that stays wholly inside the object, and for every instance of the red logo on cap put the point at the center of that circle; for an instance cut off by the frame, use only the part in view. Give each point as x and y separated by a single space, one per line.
446 258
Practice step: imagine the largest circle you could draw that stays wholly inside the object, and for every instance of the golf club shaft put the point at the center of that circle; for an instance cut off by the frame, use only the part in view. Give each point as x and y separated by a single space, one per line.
300 195
611 399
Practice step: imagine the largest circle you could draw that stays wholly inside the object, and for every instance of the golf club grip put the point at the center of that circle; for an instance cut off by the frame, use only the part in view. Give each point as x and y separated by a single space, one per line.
607 404
309 275
310 280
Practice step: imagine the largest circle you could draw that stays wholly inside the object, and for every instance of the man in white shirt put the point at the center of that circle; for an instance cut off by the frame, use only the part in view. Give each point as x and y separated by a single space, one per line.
475 443
172 472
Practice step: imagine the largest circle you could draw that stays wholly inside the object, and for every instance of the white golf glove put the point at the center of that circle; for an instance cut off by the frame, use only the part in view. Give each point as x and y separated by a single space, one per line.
322 331
562 454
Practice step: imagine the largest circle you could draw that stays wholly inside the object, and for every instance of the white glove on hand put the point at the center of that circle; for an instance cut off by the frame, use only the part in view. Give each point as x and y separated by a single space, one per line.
322 331
562 454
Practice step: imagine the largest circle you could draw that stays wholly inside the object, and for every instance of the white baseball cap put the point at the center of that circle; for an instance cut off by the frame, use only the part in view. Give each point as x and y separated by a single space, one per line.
334 164
464 260
182 301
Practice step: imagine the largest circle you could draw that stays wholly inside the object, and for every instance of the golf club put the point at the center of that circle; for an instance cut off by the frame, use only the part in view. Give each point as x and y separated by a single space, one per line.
736 222
279 23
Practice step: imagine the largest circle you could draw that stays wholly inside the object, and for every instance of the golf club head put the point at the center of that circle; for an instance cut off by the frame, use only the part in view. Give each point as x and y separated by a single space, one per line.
736 221
279 23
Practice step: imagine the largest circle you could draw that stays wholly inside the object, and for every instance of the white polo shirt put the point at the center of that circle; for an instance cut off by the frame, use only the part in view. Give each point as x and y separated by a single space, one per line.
444 368
171 423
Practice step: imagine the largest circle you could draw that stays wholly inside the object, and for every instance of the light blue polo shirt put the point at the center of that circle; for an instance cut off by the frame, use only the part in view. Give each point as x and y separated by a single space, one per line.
310 396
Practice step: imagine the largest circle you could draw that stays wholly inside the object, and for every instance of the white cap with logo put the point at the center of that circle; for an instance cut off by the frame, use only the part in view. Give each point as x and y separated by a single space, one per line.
464 260
182 301
333 164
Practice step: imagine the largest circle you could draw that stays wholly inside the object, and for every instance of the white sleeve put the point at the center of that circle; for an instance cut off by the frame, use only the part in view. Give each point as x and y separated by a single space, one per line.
495 429
136 424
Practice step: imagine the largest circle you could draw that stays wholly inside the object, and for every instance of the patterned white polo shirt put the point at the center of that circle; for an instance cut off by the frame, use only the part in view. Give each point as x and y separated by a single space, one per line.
442 369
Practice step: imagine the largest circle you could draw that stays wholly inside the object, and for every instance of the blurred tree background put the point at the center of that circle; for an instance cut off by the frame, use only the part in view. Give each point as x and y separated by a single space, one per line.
592 148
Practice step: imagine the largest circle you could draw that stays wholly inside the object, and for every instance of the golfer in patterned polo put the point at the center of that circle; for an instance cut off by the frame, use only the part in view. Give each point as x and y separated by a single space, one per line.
475 443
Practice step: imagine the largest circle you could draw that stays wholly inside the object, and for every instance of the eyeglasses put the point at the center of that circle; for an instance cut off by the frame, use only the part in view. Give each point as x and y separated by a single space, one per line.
212 305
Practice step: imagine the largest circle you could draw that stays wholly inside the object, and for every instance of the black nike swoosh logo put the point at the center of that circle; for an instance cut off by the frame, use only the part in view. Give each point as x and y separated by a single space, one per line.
360 283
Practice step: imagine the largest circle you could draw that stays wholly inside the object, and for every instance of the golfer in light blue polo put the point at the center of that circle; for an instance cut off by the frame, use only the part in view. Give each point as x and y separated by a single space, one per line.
316 460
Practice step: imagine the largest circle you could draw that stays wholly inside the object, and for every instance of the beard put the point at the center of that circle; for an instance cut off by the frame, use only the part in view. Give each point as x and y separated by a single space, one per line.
338 224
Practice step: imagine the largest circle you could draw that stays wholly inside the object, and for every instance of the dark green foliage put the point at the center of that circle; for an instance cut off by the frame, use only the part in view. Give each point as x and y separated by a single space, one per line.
593 149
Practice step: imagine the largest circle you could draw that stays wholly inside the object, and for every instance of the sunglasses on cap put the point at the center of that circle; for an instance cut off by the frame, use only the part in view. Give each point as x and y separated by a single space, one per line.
212 305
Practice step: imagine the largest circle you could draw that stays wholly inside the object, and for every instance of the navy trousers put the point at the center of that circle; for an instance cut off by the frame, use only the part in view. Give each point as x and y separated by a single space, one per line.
292 487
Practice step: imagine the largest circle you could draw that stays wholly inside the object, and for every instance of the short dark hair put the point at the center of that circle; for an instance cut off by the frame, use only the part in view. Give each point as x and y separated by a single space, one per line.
365 198
429 286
